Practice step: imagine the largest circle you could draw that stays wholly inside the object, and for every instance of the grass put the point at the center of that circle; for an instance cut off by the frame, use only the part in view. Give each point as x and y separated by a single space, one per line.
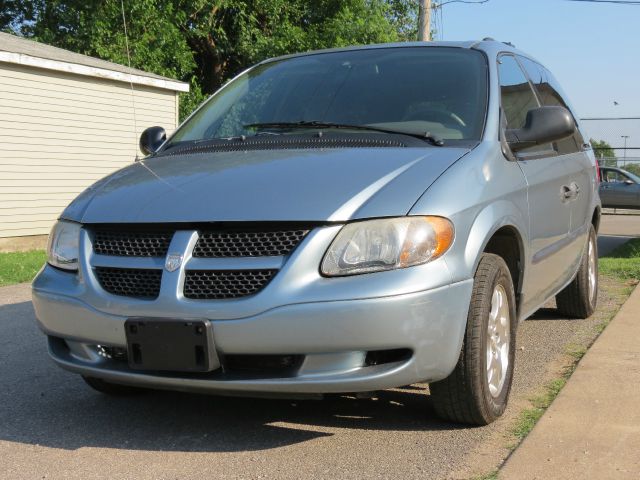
489 476
530 416
19 267
624 262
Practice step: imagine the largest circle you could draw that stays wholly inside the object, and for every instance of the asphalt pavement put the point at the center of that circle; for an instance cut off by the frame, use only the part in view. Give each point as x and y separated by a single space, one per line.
53 426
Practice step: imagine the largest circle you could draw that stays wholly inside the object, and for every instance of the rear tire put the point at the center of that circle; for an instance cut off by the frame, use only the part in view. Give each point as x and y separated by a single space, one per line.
477 390
109 388
580 298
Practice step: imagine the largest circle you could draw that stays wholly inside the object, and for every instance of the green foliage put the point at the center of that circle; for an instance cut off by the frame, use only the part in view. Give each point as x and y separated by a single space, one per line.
205 42
489 476
624 262
18 267
403 16
10 14
603 150
530 416
633 168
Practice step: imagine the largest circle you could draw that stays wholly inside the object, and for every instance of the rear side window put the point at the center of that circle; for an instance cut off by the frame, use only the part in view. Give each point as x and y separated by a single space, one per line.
550 93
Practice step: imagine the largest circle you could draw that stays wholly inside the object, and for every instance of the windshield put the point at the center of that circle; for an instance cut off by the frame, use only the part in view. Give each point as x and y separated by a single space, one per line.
439 91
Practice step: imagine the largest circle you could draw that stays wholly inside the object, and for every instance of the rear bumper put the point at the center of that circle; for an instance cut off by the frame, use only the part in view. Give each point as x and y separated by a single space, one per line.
333 337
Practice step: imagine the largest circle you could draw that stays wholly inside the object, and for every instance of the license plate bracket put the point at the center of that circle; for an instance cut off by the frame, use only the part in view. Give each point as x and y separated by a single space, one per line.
171 345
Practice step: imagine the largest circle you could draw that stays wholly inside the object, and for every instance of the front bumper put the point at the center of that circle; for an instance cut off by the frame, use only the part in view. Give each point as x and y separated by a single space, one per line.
332 336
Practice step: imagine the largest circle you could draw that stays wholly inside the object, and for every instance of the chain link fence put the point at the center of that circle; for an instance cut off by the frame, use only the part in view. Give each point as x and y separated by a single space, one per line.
621 137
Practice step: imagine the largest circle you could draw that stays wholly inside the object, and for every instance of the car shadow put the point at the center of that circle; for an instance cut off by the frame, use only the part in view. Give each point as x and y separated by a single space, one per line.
44 405
546 313
608 243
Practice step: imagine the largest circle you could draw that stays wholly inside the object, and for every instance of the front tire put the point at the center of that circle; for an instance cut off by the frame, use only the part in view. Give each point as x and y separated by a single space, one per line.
580 298
477 390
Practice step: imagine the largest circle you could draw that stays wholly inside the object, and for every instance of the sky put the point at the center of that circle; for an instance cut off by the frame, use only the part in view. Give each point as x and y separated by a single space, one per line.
593 49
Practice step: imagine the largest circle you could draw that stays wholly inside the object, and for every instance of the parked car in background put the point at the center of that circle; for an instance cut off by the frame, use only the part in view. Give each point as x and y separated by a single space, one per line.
347 220
619 188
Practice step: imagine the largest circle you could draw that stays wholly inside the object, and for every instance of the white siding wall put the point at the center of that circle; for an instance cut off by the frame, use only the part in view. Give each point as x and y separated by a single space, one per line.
61 132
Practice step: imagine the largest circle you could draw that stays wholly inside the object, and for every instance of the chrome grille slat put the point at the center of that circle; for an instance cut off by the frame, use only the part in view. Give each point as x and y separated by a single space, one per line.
145 263
237 263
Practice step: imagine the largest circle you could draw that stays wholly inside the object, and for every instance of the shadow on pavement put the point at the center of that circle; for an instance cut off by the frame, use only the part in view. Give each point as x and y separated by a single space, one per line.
608 243
43 405
546 313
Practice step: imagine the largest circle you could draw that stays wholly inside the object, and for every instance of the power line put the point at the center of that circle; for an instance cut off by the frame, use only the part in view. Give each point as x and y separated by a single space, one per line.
610 118
437 8
619 2
615 148
462 1
133 95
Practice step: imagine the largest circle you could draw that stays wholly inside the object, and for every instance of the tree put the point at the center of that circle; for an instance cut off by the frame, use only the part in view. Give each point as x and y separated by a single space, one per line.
10 14
633 168
205 42
603 152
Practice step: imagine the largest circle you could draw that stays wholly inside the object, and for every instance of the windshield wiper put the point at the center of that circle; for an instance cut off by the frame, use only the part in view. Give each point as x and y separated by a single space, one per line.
427 136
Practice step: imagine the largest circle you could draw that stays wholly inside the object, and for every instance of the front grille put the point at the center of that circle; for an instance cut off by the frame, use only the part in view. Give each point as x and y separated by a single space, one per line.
247 244
130 282
262 364
131 244
222 284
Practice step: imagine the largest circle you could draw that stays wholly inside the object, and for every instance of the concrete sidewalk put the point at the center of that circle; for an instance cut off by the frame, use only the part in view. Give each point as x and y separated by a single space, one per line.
592 429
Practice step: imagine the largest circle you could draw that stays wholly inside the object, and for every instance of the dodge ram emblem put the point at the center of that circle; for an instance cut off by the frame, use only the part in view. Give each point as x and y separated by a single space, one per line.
174 260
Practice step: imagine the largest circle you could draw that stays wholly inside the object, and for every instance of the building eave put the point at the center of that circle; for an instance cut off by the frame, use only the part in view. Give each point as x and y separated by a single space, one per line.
95 72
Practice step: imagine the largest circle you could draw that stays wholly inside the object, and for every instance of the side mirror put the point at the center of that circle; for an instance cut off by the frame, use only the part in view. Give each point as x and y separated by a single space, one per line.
151 139
629 182
543 125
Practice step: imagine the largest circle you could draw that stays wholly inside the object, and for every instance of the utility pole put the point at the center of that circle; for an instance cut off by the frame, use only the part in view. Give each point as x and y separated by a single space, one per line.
424 23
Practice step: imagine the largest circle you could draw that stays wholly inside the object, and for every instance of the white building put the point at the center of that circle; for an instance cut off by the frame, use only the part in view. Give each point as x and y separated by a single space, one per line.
67 120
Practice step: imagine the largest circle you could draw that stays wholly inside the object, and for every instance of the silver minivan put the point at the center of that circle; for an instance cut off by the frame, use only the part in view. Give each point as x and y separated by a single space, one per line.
344 220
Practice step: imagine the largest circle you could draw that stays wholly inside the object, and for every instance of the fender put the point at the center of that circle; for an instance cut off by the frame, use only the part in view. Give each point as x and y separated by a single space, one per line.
475 222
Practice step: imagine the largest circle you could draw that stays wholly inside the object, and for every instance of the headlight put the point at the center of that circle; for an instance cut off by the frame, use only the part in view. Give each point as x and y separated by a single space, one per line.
63 247
386 244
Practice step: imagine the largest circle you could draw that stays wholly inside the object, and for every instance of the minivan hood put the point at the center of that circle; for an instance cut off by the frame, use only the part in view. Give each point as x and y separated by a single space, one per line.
272 185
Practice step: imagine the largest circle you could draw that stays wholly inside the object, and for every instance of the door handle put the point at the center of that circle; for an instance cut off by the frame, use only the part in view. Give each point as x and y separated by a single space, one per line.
571 191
